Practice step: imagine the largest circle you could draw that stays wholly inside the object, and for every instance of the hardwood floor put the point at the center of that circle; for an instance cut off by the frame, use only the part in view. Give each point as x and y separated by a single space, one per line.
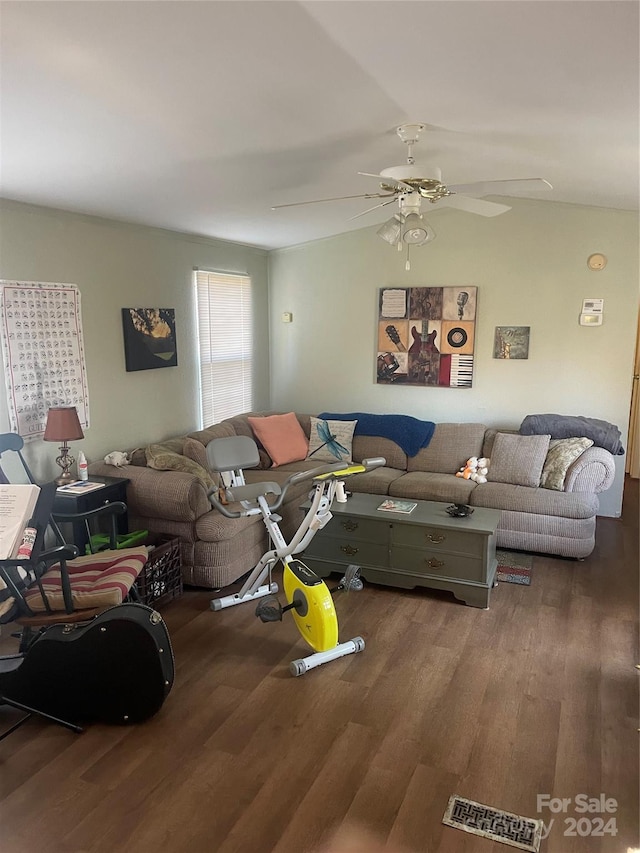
538 695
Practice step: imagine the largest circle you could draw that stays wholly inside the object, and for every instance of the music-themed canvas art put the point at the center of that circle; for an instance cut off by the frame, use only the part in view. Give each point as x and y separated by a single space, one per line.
511 342
426 336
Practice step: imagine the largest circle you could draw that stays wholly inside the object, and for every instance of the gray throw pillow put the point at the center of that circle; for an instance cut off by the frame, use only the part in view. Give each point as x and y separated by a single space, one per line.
518 459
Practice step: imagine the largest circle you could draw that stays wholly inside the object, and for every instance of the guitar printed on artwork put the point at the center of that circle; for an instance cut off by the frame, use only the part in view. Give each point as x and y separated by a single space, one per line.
394 336
424 355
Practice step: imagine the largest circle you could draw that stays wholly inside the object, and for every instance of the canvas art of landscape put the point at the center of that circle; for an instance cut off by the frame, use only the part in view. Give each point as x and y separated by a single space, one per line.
426 336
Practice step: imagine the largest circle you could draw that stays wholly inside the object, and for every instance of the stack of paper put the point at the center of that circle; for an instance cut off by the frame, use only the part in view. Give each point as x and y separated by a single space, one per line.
17 504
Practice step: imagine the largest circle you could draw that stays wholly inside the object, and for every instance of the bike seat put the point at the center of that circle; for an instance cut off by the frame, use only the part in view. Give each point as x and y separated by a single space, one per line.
232 453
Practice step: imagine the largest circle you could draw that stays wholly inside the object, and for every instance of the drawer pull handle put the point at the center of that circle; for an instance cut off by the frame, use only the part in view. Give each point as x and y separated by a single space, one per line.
350 526
435 538
348 550
435 564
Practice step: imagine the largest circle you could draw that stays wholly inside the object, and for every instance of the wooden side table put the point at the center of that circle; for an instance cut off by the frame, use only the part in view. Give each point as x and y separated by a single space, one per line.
114 489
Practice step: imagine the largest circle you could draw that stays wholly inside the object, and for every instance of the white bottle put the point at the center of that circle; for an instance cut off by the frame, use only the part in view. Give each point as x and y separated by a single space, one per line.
83 467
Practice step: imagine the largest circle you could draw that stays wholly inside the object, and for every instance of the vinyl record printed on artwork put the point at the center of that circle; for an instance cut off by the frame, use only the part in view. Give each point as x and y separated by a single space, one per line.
457 337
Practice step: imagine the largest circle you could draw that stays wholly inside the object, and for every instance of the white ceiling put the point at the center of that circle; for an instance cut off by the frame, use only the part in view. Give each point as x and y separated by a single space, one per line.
199 116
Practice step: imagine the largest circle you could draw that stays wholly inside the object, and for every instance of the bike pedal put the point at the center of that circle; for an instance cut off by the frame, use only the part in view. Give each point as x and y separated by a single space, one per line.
269 609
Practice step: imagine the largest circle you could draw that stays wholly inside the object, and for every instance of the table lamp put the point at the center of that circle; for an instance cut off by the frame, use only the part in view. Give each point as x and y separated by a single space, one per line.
63 425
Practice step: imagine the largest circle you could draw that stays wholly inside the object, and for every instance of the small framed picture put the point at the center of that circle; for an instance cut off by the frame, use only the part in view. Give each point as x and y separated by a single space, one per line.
511 342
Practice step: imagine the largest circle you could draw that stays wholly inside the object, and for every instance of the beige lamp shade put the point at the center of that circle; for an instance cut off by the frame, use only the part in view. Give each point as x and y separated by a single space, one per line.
63 424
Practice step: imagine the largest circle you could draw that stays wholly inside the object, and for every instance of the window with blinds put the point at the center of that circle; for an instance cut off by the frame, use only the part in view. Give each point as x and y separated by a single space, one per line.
225 330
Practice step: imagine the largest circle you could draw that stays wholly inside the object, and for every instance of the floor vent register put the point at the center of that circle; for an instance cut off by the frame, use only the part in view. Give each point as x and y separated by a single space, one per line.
494 824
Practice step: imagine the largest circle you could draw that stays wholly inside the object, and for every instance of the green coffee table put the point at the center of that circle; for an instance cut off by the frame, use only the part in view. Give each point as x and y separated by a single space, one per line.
426 547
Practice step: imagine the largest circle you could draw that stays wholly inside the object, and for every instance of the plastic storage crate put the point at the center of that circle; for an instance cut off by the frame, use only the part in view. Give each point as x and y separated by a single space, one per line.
160 581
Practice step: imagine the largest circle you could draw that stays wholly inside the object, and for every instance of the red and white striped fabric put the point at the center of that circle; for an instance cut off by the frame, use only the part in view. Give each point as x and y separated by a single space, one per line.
97 580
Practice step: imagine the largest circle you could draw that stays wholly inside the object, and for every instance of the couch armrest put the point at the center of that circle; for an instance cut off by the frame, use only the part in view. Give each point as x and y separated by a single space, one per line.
593 471
172 495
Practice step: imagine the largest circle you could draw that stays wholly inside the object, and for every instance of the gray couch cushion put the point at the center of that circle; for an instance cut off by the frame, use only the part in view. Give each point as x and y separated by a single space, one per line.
204 436
518 459
490 437
504 496
449 449
376 482
421 485
368 446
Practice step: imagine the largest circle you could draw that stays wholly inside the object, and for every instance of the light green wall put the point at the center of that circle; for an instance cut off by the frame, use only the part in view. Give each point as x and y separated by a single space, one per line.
529 266
115 266
530 269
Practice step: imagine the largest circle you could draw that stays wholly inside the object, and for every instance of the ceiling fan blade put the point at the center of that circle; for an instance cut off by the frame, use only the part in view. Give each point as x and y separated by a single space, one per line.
522 185
336 198
472 205
387 179
369 209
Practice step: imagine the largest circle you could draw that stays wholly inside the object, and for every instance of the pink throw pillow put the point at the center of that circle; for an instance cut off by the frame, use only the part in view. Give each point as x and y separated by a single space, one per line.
282 436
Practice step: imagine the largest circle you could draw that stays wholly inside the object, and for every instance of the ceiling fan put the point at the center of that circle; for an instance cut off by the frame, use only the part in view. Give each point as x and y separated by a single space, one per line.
413 183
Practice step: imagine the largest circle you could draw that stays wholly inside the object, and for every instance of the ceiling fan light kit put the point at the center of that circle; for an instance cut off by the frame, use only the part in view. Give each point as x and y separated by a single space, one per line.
411 184
391 230
416 230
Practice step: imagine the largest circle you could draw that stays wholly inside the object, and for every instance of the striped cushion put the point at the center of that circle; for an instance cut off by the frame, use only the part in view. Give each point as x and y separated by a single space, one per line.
97 580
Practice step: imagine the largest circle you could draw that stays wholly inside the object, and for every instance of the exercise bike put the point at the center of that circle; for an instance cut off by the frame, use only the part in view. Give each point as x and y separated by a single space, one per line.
308 598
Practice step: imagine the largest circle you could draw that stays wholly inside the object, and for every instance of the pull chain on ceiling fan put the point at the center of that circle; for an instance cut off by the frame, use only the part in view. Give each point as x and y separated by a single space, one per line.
411 184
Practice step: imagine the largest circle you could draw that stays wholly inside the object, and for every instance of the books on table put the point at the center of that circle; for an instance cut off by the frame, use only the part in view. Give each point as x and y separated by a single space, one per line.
17 505
394 505
79 487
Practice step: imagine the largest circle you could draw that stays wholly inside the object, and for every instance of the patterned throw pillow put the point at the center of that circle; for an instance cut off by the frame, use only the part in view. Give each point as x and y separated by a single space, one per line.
518 459
330 441
563 452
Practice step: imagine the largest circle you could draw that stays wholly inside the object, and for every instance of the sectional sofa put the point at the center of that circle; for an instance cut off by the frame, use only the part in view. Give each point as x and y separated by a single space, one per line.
171 497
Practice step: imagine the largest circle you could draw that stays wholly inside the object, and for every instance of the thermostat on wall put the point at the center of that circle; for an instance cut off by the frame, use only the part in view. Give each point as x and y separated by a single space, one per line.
591 319
592 306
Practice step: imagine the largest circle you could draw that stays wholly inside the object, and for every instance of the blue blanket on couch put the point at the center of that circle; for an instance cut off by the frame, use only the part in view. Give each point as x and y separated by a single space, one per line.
408 433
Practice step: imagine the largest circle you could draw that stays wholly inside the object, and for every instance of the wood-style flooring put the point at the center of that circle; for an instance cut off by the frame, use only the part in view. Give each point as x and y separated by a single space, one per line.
538 695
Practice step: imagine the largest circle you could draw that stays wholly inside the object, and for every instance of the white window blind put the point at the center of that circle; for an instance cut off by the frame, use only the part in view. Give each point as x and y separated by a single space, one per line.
225 330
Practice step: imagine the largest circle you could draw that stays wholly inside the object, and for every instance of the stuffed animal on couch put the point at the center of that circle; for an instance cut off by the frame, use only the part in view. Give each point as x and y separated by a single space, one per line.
476 469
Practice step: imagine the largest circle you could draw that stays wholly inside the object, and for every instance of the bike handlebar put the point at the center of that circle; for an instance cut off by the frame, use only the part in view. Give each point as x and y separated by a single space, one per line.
334 471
